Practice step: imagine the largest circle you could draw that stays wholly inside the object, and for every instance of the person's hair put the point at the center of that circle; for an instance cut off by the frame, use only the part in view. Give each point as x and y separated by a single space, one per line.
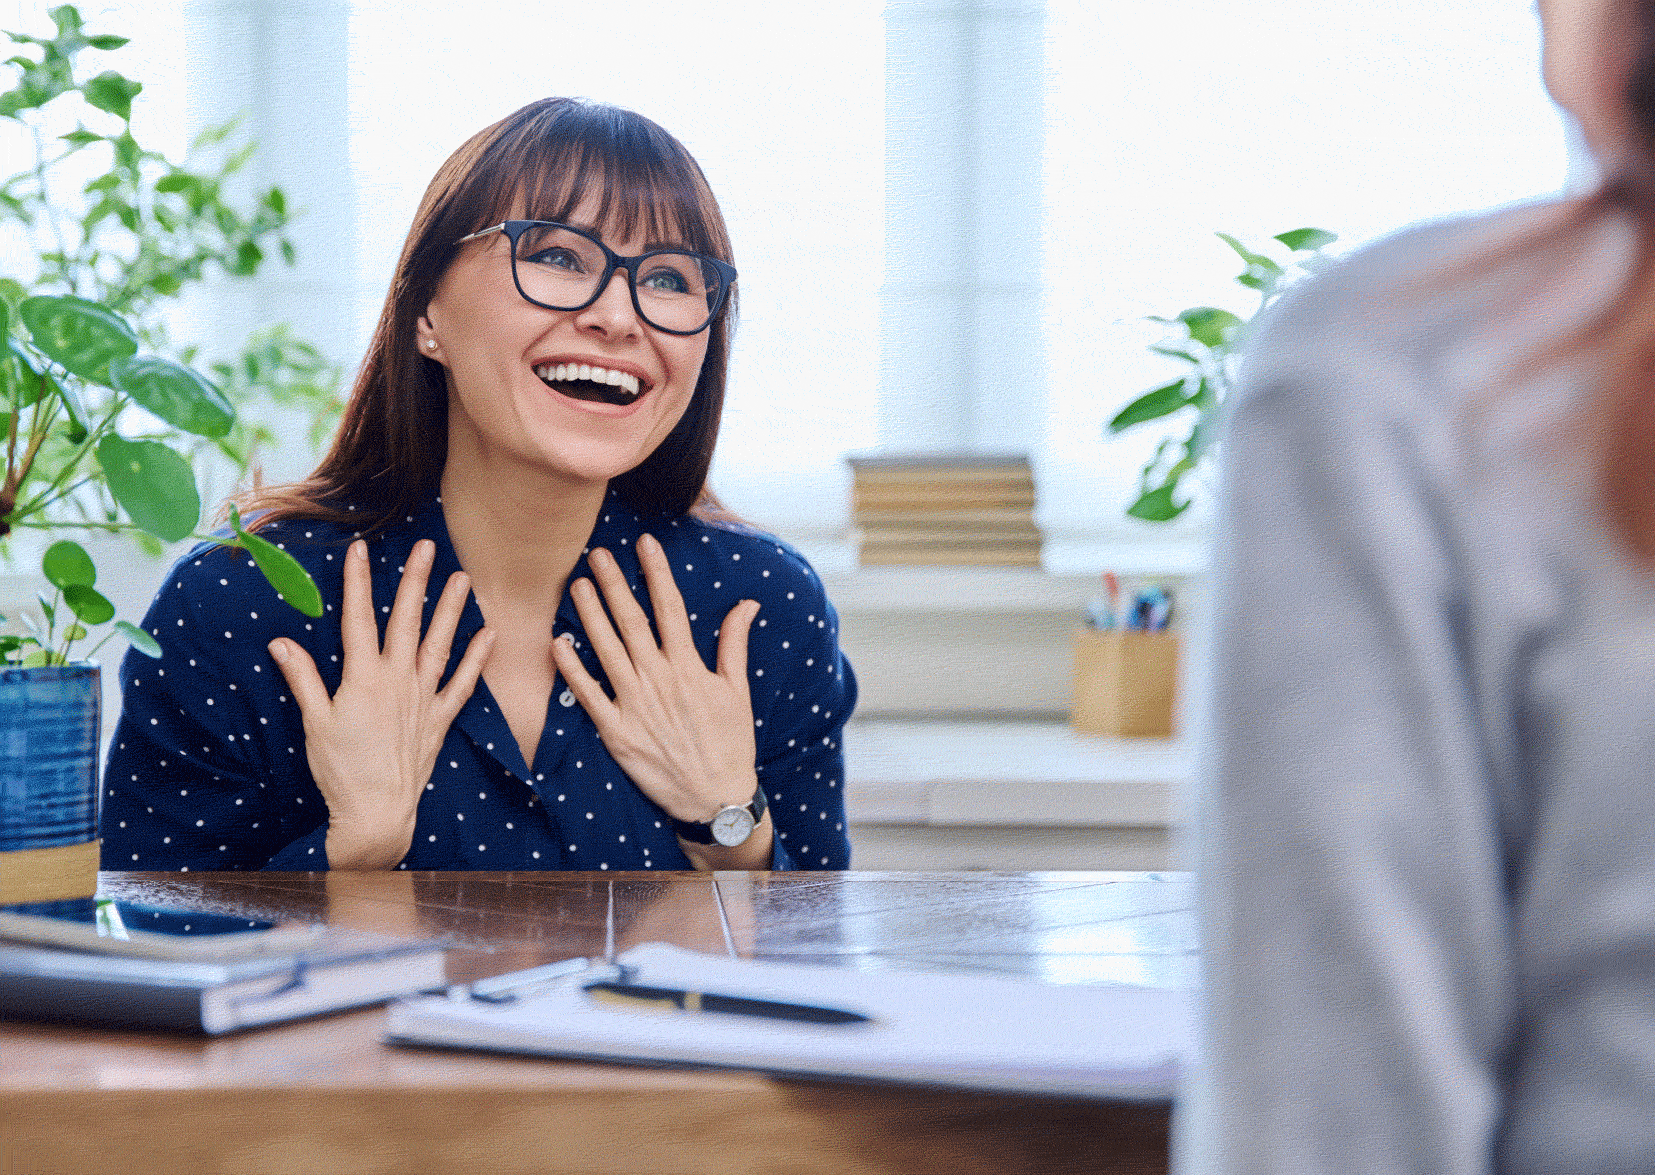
540 163
1627 451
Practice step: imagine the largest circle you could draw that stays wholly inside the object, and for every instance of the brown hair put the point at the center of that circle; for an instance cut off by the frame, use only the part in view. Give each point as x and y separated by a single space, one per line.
541 161
1627 449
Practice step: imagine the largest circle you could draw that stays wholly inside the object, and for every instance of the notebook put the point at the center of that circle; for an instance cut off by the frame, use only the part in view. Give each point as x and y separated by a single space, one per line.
963 1030
43 983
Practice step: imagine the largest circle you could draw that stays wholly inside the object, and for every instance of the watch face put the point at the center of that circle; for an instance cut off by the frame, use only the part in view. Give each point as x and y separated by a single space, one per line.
732 826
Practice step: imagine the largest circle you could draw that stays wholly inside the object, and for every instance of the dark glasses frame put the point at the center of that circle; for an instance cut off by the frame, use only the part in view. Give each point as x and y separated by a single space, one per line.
514 230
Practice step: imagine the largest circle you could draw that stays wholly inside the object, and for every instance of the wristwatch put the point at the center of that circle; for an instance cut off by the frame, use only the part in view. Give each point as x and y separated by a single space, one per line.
733 824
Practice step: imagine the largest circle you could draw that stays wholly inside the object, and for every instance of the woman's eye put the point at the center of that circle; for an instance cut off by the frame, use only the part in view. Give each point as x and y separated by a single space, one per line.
561 258
665 281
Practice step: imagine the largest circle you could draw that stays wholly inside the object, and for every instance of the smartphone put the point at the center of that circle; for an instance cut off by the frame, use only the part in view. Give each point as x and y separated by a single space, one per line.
115 927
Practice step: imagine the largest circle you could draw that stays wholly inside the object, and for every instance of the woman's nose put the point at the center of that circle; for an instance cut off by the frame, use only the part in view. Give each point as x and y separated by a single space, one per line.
613 312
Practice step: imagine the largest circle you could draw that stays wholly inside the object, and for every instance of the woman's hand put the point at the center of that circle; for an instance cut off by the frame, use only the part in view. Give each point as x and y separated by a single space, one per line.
682 734
373 744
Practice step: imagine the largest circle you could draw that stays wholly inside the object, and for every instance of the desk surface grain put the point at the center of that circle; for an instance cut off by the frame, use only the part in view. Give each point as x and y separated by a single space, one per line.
325 1095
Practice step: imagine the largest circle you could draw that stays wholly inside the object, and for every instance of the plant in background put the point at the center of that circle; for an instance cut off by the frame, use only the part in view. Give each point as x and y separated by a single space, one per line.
94 413
1208 340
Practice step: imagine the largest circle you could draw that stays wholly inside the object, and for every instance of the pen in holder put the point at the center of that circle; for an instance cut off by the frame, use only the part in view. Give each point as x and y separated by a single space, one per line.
1126 666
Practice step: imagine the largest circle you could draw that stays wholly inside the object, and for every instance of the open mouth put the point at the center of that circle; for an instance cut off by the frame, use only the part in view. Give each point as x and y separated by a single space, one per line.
582 381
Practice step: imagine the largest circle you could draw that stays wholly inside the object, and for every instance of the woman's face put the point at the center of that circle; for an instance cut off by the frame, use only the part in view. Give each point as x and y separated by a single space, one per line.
509 402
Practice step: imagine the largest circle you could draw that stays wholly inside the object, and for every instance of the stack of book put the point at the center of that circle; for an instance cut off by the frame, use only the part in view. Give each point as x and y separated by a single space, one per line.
960 510
202 974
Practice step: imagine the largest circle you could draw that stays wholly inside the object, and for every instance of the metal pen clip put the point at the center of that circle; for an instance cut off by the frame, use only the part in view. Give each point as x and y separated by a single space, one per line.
503 989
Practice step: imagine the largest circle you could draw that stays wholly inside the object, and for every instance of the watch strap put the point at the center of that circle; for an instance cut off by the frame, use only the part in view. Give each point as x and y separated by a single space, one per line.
700 832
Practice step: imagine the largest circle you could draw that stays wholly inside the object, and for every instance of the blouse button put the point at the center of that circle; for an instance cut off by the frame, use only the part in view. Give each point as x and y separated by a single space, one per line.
566 698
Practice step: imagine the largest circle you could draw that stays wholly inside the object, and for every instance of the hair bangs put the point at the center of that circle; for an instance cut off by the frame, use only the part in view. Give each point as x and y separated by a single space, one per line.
646 188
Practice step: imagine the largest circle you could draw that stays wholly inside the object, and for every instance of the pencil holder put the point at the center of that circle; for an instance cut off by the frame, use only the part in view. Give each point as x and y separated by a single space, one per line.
1125 684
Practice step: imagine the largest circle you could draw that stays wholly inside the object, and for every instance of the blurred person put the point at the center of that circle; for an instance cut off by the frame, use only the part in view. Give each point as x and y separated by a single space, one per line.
1427 829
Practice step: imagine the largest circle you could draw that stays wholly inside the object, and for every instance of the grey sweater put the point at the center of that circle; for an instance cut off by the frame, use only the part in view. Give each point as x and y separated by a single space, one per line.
1426 820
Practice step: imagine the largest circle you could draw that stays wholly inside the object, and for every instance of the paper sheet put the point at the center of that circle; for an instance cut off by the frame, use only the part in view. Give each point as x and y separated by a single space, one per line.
986 1032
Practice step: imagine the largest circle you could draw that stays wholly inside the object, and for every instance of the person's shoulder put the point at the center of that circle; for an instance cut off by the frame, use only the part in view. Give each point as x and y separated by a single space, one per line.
218 574
752 560
1430 304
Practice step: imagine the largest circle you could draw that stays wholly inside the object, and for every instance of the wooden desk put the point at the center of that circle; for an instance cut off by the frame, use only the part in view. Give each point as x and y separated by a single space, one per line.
325 1095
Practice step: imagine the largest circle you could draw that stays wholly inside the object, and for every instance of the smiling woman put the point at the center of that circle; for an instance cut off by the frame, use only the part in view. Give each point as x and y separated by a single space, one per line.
615 673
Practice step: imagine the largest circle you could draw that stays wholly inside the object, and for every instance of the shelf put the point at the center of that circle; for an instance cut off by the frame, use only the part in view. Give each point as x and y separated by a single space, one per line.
1032 774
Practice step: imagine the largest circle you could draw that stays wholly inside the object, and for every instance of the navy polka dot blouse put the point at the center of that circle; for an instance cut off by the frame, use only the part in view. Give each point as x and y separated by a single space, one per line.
207 769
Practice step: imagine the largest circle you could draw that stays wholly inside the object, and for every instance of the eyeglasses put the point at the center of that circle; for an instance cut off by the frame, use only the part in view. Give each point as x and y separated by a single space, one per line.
565 268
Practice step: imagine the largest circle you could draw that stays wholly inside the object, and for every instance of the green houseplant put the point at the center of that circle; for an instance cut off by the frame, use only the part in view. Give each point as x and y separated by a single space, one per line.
1207 341
102 427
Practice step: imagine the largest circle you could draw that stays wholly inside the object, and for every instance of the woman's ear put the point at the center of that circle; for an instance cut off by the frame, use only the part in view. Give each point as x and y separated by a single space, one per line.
427 342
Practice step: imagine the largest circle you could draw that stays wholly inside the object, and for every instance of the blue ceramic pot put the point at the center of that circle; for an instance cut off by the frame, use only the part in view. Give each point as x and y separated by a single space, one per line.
49 733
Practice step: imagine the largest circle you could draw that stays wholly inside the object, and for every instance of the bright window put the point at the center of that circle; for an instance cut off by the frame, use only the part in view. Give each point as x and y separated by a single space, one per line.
1162 124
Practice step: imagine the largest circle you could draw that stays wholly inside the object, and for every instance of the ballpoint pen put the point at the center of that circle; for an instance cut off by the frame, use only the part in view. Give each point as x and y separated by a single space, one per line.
641 997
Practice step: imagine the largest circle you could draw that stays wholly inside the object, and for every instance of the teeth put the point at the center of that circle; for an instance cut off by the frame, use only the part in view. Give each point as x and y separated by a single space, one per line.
561 372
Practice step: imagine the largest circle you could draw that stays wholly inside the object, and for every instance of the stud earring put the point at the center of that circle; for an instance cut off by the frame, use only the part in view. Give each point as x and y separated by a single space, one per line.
431 344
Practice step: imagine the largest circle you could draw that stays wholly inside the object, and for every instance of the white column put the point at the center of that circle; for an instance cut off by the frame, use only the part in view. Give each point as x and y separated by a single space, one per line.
961 364
283 66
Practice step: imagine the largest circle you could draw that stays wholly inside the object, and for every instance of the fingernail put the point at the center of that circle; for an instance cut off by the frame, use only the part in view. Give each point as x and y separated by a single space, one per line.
650 539
567 638
359 550
278 650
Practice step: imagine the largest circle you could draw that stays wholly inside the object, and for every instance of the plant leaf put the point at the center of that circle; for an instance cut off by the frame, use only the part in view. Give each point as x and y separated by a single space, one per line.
1242 251
88 604
1157 505
1210 325
112 92
1152 404
283 571
1307 240
19 377
75 430
66 564
154 485
82 336
175 393
138 638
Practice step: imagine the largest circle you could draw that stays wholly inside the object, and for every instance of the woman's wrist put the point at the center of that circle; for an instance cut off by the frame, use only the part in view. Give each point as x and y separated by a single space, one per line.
363 845
756 852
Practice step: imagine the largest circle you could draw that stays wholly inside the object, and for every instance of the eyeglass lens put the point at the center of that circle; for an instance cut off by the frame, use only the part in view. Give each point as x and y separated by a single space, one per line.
561 269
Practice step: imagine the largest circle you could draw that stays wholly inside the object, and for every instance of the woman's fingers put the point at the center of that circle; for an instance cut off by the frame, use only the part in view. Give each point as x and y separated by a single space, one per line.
357 627
402 631
612 654
671 620
300 671
582 684
623 605
453 695
732 642
445 619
